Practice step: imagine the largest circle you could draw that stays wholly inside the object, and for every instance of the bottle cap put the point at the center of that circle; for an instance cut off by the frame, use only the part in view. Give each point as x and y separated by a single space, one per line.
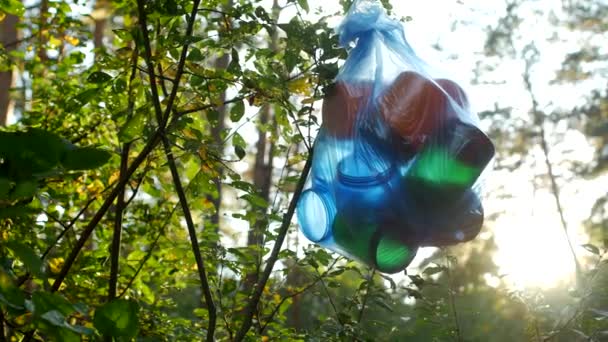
316 212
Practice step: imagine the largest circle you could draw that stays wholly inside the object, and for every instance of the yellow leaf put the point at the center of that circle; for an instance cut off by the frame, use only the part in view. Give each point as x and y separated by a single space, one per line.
21 320
72 40
300 86
277 298
258 101
202 152
96 187
54 42
188 133
308 100
56 264
207 204
265 339
114 177
2 15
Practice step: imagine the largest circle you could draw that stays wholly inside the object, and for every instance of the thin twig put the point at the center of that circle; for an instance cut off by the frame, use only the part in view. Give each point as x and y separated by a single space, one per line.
220 304
582 303
331 302
274 255
121 204
2 333
209 106
141 157
156 239
162 119
451 297
86 233
544 146
369 281
65 227
270 317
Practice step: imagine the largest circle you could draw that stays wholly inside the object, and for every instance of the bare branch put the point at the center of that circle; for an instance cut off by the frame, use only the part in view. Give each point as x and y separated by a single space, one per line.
162 119
274 255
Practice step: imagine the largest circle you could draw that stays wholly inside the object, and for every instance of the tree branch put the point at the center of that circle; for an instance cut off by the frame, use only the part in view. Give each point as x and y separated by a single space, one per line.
544 146
297 293
259 288
151 144
120 207
121 204
369 281
451 297
162 119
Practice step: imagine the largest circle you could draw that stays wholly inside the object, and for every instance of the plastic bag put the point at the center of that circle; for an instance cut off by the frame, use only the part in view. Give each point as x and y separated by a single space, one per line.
398 154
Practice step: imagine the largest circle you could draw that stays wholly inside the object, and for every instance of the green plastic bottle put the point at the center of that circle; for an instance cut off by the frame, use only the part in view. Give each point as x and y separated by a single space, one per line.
365 240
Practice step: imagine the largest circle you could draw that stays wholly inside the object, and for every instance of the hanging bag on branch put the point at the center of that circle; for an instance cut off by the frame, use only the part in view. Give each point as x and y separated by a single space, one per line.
398 157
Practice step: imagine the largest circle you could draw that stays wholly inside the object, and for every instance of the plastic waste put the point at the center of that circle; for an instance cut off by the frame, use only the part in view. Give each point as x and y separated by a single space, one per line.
398 158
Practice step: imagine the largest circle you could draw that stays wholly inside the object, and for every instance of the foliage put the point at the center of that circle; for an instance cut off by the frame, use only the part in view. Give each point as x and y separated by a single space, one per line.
108 177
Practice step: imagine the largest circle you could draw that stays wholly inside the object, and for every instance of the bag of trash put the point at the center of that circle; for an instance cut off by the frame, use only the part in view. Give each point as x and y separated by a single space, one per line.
399 153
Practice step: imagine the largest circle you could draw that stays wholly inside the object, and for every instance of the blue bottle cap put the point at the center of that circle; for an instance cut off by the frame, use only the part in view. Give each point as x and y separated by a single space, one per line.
316 212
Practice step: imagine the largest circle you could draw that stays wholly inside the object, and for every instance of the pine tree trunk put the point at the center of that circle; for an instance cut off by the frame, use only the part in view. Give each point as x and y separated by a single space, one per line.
8 39
262 174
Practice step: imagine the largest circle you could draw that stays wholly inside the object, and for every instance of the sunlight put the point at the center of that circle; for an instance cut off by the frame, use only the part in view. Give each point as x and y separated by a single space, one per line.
532 248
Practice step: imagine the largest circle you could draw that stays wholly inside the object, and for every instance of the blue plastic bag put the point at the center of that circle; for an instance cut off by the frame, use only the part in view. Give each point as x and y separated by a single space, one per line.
398 153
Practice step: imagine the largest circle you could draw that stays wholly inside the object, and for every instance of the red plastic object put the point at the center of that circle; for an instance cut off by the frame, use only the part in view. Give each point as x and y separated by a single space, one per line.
414 106
342 106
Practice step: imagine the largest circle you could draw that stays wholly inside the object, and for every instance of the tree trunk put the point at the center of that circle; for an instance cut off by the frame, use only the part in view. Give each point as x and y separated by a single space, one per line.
42 38
216 133
262 174
100 15
8 39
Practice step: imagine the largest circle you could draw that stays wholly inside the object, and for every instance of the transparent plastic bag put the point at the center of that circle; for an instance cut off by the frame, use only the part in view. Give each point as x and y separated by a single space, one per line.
398 155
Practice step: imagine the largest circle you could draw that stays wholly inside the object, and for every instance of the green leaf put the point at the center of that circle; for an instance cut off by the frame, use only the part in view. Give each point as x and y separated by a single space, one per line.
255 200
56 318
118 318
85 158
46 301
383 305
9 293
5 187
195 55
133 127
239 145
98 77
602 314
24 189
237 112
433 270
119 86
234 66
86 96
14 7
304 5
30 259
34 151
240 152
196 80
592 248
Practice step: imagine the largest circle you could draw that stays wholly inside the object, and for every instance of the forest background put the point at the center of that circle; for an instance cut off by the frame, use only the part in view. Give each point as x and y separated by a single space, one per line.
152 152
